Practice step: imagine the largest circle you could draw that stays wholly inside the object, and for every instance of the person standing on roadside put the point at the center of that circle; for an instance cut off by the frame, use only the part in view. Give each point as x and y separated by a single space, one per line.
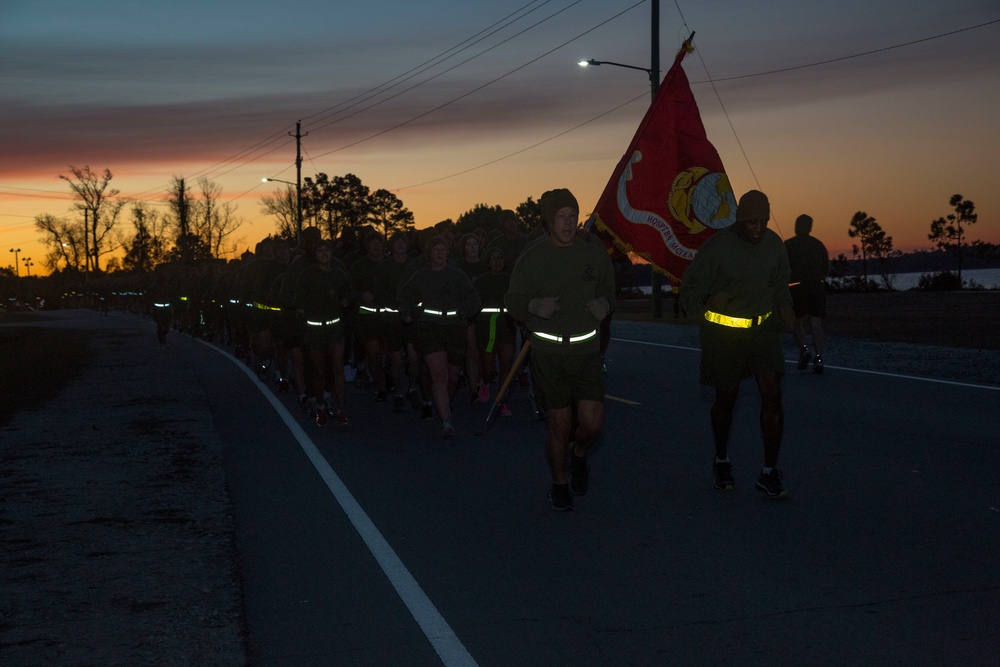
561 288
810 264
737 286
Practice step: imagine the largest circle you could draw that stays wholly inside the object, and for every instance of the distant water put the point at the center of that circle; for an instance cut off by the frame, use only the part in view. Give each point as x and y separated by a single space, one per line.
987 278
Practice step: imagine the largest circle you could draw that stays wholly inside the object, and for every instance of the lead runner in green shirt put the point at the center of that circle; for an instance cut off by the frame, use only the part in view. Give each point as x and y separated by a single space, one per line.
737 286
561 288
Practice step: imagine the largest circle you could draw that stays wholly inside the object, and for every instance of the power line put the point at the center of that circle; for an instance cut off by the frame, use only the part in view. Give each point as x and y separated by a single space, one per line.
479 88
453 67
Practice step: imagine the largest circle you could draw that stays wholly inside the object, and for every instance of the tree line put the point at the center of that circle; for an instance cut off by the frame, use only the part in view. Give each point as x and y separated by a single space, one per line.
875 247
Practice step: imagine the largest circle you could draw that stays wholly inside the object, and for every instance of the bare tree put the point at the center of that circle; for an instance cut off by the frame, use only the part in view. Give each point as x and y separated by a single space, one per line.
64 241
948 232
100 206
214 222
281 205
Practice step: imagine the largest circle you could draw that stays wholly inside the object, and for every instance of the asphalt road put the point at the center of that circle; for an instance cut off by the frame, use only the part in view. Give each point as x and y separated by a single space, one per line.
382 544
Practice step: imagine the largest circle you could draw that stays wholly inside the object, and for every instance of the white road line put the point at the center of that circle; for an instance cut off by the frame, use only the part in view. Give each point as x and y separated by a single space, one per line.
839 368
444 640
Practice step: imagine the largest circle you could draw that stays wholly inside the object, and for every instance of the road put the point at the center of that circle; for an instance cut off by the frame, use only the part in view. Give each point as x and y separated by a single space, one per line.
382 544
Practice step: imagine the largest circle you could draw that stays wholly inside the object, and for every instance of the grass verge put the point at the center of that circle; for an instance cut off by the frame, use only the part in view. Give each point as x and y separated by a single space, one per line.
36 363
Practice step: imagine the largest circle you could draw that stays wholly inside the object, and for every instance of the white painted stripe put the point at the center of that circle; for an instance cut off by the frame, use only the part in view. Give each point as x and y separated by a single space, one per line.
900 376
444 640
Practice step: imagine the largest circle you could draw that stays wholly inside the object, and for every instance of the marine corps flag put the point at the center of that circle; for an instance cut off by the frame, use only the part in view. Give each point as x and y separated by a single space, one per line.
669 193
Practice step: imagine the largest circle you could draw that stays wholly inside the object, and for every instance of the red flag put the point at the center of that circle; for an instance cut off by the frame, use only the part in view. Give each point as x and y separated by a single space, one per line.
669 193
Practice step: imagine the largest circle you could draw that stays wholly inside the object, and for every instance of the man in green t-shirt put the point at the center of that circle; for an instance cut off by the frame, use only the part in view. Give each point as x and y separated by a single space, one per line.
561 288
737 286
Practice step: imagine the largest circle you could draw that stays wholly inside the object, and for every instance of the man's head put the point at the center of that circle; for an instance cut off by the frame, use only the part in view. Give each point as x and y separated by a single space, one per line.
752 214
803 225
509 223
561 213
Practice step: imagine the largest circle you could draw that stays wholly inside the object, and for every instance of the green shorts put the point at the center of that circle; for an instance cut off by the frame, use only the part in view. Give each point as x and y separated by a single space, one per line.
320 337
562 379
429 338
367 326
809 298
729 355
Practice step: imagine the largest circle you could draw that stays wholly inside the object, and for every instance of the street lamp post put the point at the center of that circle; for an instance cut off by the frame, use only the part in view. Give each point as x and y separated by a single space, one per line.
298 204
28 264
17 268
653 71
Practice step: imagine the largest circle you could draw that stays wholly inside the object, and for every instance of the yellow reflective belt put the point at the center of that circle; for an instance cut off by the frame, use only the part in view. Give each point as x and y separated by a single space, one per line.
263 306
566 340
736 322
794 284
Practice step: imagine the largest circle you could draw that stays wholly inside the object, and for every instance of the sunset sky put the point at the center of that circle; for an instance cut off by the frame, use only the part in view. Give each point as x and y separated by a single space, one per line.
828 107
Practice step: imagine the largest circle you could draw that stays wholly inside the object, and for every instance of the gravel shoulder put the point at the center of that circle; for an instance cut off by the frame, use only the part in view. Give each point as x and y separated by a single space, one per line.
117 532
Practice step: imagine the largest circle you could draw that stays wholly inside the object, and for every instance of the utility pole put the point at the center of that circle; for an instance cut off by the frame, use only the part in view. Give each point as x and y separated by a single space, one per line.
654 85
298 180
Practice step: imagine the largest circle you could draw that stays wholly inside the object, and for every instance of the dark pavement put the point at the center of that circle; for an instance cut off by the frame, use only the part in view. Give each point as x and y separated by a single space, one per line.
886 552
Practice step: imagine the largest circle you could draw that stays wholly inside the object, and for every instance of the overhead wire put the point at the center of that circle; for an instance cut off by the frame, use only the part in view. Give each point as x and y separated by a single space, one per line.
481 87
429 63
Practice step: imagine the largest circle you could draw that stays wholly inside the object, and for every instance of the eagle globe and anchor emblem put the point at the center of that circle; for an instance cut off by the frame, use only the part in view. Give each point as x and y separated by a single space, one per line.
698 199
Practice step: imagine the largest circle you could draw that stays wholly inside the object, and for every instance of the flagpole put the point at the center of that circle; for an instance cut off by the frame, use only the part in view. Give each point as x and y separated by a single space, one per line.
654 85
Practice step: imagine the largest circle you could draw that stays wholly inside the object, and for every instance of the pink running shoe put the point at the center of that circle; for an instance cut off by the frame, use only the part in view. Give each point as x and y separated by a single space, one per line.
505 411
484 393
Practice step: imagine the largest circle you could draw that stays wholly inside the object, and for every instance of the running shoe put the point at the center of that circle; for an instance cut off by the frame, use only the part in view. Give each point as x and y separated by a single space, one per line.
426 412
484 393
579 473
398 405
341 418
772 484
818 365
804 356
447 430
505 411
724 476
561 499
321 416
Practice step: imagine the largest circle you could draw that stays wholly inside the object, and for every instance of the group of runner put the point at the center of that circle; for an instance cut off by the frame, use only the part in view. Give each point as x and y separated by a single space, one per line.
413 316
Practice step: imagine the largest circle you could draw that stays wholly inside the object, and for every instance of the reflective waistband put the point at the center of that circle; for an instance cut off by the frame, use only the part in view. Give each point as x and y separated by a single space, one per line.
441 313
736 322
493 310
389 310
327 323
566 340
161 305
368 309
264 306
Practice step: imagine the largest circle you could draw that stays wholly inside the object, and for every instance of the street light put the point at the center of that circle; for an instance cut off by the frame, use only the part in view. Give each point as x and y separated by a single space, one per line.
28 264
17 269
298 204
